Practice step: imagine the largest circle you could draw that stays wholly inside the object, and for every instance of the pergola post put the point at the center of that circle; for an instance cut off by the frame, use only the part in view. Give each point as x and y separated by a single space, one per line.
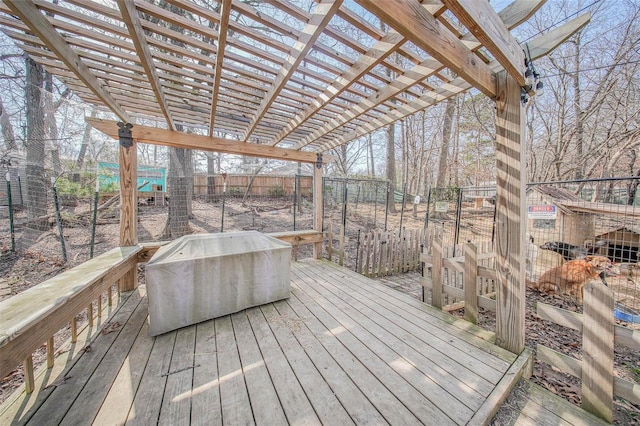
317 205
510 206
128 159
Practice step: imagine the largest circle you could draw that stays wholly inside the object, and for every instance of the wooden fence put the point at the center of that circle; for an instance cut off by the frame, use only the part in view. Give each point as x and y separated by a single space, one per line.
460 277
465 277
384 253
599 335
262 185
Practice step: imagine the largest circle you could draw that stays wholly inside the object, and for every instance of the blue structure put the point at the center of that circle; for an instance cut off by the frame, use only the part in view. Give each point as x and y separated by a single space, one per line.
156 177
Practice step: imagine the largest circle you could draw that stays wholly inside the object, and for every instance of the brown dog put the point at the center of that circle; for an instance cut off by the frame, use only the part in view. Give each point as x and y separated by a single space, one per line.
571 277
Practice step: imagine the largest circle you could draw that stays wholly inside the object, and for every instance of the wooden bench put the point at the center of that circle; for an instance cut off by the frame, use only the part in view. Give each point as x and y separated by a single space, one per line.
32 317
296 238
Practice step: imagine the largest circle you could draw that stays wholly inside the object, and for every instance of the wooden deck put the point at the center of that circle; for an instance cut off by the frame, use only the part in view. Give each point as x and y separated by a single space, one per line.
342 349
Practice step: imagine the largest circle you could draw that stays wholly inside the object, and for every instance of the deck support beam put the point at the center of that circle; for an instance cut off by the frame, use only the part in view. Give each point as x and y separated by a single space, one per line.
317 205
510 208
128 159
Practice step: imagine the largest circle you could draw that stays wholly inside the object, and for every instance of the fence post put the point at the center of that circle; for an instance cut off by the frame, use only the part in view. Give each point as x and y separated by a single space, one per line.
597 347
436 273
471 283
10 212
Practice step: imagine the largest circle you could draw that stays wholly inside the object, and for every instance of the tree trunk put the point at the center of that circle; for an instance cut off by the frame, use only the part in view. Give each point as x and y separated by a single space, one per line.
36 179
86 137
7 129
51 126
372 170
446 140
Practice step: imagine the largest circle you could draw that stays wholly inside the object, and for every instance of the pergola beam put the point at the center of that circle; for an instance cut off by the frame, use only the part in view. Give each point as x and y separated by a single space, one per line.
381 50
538 48
318 22
39 25
164 137
485 24
225 11
132 21
413 21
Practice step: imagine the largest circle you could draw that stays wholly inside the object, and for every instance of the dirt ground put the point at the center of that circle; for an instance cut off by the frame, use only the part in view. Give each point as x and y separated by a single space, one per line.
42 259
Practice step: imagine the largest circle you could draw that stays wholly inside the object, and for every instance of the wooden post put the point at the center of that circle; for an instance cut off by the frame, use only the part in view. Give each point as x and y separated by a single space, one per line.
28 374
128 202
50 352
436 273
597 348
510 207
317 205
471 283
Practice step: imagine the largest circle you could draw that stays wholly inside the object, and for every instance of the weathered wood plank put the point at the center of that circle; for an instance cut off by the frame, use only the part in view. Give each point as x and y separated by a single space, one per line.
493 402
118 402
510 205
562 408
392 409
236 407
176 402
354 402
322 398
148 399
438 375
428 318
63 397
377 364
267 408
471 283
297 406
19 407
597 349
205 396
623 336
98 385
31 317
457 354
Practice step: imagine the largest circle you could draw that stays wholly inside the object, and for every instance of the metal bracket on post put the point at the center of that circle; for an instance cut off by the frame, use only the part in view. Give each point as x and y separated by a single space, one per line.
124 134
319 161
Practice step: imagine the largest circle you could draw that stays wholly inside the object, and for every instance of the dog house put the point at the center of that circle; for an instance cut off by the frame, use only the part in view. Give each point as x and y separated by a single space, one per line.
568 225
623 244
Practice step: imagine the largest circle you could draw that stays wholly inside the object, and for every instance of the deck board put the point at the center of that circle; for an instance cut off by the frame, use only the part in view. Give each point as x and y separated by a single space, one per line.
265 404
205 396
342 349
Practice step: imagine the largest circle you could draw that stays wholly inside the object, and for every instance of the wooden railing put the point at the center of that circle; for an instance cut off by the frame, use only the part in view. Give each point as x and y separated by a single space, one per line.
298 238
456 282
34 316
599 335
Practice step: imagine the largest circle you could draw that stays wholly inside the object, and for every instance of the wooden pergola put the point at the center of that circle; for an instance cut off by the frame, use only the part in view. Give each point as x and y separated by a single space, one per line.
285 82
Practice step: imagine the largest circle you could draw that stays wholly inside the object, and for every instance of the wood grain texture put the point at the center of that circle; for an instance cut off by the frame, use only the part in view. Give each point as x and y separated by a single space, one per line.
597 348
413 21
317 209
39 25
471 283
510 208
132 21
485 24
151 135
36 314
128 158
